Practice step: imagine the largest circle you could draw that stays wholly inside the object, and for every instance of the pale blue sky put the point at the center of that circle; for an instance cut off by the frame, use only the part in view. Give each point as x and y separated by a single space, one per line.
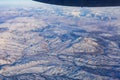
16 2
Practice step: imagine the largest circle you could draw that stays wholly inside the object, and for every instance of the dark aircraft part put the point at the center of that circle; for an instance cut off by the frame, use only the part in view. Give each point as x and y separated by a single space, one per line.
83 3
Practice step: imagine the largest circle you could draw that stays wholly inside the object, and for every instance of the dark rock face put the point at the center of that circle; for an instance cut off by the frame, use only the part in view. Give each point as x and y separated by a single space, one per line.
3 29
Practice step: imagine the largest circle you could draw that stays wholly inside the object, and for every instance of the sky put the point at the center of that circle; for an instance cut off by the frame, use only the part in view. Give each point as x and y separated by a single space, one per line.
16 2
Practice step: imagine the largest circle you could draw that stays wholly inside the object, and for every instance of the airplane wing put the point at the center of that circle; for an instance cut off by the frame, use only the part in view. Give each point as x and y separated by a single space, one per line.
83 3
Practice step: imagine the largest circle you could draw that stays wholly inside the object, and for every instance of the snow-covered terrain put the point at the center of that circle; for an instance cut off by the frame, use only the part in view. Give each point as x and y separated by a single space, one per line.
47 42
